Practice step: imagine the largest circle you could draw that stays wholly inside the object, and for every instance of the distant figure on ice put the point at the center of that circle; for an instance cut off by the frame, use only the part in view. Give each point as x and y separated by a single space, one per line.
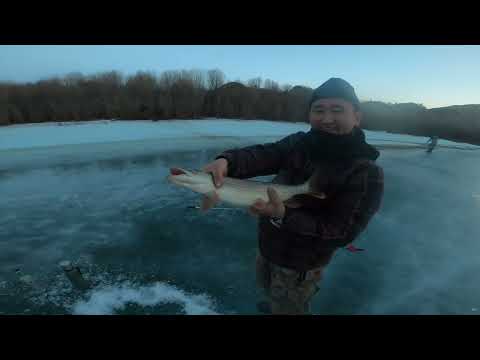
432 143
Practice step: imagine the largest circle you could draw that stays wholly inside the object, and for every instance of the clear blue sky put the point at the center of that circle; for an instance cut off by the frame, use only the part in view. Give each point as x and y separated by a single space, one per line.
430 75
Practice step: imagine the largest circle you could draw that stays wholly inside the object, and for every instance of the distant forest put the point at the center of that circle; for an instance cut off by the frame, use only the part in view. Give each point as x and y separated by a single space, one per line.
199 94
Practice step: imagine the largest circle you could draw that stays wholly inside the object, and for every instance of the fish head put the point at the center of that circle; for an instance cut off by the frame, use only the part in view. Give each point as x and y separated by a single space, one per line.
195 180
182 177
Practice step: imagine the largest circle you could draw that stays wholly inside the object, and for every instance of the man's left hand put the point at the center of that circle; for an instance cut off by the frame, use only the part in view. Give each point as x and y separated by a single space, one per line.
273 208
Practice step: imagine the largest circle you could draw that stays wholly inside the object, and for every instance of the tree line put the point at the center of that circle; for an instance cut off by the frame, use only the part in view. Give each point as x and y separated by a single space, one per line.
459 123
195 94
145 96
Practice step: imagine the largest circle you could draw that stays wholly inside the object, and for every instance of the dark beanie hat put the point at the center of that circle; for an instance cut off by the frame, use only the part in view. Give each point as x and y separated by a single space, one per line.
335 88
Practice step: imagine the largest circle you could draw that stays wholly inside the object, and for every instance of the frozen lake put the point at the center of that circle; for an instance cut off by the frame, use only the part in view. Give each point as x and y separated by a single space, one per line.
96 194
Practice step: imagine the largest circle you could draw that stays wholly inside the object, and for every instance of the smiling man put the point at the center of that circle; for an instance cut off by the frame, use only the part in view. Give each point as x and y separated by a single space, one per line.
297 242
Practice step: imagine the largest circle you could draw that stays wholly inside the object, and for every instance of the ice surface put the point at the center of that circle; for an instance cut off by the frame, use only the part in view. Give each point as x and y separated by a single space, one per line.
95 132
99 189
108 300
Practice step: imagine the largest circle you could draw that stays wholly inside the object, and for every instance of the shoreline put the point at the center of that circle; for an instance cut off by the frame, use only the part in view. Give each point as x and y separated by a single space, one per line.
50 134
108 121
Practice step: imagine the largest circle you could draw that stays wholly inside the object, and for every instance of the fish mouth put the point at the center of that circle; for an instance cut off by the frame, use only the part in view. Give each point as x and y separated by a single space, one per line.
180 176
177 171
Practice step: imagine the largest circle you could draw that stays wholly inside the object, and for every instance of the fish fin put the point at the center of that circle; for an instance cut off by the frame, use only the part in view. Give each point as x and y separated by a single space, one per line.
209 200
311 189
316 194
299 200
353 249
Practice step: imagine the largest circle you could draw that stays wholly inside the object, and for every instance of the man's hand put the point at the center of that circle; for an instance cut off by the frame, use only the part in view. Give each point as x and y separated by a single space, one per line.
218 169
273 208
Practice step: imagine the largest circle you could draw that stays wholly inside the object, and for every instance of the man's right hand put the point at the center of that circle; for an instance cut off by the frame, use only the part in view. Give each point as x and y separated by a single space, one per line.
218 169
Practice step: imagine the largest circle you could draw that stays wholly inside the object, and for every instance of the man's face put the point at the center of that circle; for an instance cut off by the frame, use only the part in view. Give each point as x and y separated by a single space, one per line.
335 116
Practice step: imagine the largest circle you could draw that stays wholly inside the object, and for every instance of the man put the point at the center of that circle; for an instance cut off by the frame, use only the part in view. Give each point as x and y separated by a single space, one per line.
296 243
431 143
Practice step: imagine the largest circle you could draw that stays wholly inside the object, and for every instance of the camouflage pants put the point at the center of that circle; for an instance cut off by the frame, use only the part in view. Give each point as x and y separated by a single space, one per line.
289 292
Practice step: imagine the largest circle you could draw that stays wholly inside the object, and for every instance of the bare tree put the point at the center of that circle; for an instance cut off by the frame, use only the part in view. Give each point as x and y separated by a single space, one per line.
141 88
271 85
14 115
255 83
141 83
215 79
167 100
198 79
181 93
73 79
168 78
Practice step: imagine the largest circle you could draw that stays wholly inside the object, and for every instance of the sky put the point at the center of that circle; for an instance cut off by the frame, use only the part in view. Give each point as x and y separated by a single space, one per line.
434 75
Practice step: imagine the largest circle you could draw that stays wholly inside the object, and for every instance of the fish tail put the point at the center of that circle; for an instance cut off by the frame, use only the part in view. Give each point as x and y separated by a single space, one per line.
310 189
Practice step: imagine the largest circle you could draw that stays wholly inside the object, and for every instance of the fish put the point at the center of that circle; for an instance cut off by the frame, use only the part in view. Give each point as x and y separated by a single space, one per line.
238 192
